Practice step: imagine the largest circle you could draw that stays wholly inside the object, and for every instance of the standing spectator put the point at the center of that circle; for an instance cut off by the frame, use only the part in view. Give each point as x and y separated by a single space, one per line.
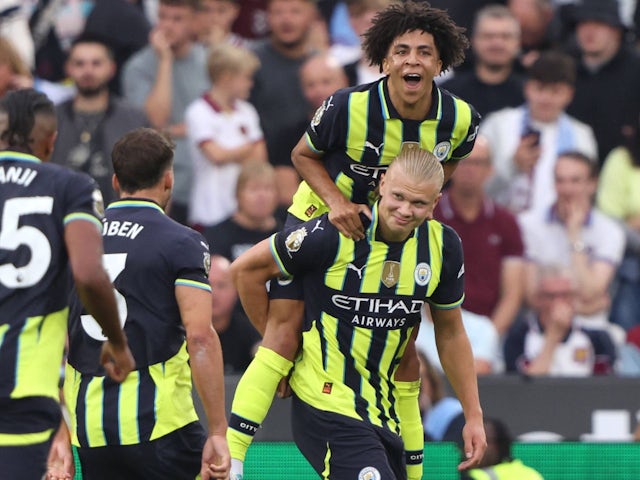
253 220
525 141
491 241
283 110
252 20
619 197
537 29
123 26
607 95
50 234
148 427
574 234
492 84
163 79
94 119
549 341
224 132
498 462
238 338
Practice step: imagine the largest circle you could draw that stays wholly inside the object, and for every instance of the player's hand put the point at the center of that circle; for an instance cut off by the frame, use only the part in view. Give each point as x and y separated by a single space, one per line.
284 389
475 444
345 216
117 361
60 465
216 459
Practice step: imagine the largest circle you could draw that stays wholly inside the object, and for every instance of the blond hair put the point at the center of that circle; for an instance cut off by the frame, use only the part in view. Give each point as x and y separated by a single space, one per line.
255 170
225 58
419 164
9 56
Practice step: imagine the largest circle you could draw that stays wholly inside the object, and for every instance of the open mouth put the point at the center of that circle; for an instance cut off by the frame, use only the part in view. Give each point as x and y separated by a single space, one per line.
412 79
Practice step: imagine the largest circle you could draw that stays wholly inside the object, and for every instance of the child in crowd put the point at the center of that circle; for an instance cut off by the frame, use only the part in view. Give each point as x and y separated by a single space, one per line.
224 131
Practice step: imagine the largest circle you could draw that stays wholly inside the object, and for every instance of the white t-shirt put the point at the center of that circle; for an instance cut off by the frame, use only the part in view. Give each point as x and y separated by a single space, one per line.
213 196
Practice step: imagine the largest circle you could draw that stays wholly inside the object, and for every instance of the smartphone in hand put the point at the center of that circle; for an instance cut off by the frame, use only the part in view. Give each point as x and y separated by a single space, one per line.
530 131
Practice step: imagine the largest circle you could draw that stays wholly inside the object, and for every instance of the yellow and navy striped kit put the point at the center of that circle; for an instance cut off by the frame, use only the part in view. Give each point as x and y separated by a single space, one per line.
362 300
36 202
358 132
147 255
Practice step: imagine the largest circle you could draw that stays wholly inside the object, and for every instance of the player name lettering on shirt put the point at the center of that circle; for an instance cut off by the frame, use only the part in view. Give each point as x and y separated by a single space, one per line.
115 228
18 175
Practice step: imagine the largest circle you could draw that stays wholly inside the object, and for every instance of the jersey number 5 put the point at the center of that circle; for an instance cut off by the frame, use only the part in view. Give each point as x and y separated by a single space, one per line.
114 264
12 237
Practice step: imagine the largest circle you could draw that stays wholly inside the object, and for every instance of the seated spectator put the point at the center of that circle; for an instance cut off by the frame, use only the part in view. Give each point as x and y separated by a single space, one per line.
629 354
526 140
491 240
14 72
619 197
92 121
238 338
574 234
484 338
214 20
549 341
442 416
498 462
224 132
492 84
254 219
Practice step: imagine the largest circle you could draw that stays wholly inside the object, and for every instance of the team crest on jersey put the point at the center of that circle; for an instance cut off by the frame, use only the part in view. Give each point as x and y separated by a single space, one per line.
98 203
369 473
390 273
206 261
317 117
295 239
422 274
441 150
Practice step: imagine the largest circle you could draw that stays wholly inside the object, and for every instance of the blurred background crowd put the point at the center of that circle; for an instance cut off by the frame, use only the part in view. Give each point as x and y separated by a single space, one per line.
547 205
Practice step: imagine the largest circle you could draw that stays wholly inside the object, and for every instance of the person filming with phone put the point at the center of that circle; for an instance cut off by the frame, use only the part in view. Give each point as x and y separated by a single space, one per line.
526 140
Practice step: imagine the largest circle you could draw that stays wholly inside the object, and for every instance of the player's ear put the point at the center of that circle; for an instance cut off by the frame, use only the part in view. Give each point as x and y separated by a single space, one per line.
115 184
168 179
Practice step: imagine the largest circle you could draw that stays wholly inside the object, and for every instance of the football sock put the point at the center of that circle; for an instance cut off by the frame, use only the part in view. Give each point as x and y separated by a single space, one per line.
253 397
411 427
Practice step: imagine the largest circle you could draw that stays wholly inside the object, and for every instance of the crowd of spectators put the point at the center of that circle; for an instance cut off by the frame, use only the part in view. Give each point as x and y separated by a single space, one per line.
547 205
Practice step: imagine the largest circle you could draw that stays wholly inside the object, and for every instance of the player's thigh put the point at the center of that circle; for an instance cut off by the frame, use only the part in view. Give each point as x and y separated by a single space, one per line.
28 462
342 448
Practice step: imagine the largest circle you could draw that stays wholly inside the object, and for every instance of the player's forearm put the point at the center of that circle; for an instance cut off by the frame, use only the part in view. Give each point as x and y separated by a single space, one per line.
255 301
205 358
313 171
158 103
457 362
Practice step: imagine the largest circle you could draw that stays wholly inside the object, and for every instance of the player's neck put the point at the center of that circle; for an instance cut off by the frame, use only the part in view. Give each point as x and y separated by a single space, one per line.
92 103
155 194
411 111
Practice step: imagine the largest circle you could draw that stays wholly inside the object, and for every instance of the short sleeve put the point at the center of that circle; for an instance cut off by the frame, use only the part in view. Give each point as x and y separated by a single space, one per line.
192 261
465 147
199 126
328 128
308 246
450 290
254 131
137 80
83 200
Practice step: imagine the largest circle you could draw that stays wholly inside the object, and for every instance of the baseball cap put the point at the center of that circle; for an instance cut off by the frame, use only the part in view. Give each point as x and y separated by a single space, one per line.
605 11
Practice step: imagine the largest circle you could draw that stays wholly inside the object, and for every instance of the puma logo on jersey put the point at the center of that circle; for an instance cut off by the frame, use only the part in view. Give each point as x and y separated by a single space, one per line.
358 271
370 145
317 226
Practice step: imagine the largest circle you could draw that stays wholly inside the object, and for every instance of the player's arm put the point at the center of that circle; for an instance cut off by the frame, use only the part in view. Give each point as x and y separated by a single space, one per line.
344 214
407 381
250 272
84 246
205 358
457 362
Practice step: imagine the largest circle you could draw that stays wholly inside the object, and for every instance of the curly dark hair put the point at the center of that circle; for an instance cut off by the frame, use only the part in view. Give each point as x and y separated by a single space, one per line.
22 107
400 18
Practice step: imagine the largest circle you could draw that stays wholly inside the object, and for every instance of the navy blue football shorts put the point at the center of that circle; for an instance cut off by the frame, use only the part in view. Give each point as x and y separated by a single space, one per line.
343 448
175 456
